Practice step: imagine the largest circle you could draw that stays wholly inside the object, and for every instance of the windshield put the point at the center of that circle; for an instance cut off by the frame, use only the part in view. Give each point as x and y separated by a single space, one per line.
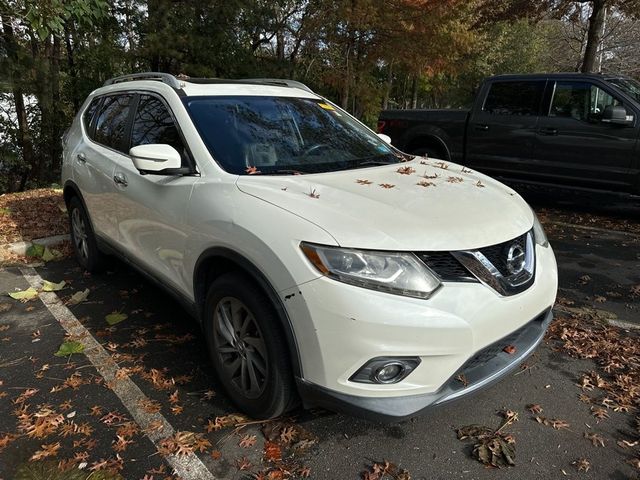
281 135
627 85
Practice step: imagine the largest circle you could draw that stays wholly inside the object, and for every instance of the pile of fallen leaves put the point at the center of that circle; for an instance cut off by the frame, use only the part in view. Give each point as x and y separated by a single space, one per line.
615 386
32 214
385 470
494 448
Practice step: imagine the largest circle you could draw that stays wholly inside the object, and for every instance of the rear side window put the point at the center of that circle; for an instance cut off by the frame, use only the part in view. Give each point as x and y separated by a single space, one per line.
111 123
514 98
153 123
90 112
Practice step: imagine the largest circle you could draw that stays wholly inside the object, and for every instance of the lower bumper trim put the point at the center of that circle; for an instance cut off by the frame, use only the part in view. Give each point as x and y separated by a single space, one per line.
483 369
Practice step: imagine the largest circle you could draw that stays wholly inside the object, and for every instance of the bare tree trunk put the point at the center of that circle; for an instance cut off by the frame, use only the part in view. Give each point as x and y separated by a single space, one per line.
25 142
58 116
414 96
72 67
594 36
387 91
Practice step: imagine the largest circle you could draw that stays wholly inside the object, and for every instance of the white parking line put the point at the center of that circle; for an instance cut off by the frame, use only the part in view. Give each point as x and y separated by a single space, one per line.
188 467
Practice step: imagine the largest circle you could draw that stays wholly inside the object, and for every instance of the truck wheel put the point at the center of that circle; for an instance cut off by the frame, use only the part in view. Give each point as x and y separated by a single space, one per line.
247 347
83 239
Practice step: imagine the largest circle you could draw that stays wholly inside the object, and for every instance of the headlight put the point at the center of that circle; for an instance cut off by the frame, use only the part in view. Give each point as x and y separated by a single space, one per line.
538 232
398 273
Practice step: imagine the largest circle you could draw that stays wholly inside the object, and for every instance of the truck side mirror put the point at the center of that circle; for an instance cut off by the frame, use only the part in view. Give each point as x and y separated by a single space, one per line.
617 115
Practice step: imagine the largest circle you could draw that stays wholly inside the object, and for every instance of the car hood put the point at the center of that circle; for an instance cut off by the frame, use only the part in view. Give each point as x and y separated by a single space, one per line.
418 205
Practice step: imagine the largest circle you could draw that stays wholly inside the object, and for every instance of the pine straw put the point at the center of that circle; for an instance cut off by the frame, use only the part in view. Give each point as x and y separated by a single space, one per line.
32 214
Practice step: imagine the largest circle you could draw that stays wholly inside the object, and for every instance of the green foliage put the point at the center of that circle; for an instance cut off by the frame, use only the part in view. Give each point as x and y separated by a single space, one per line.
362 54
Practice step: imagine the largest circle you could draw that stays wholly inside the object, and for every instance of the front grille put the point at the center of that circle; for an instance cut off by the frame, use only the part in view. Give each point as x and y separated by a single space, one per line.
445 266
497 254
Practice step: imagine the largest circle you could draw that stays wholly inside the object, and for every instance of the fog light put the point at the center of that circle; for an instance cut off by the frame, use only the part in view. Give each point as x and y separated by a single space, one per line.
388 373
385 370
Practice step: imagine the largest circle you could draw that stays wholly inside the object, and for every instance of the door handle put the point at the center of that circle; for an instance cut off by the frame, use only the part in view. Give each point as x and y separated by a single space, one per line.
482 127
82 158
548 131
120 179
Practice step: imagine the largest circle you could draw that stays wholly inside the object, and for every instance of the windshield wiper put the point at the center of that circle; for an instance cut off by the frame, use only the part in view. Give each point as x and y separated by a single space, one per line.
283 172
371 161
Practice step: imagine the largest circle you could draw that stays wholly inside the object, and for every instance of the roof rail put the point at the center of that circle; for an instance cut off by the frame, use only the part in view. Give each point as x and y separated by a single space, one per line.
283 82
177 82
167 78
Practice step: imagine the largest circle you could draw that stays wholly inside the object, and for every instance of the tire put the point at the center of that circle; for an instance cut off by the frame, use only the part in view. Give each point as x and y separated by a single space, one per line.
85 247
250 359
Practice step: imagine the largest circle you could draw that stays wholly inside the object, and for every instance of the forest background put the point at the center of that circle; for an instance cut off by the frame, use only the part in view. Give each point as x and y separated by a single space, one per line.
365 55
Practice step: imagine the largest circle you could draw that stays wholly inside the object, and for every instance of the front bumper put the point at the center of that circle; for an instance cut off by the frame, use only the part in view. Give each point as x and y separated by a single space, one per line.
486 367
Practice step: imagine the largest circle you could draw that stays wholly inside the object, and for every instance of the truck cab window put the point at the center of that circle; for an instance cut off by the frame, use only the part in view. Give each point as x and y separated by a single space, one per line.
514 98
580 100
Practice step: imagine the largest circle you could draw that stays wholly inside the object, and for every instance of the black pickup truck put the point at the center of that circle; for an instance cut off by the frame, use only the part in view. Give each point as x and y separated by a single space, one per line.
578 130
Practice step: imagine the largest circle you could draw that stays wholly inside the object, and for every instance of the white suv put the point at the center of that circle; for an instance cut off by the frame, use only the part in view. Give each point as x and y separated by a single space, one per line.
323 264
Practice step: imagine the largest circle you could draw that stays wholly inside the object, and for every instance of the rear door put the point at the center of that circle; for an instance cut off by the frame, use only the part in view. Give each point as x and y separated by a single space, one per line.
574 146
97 157
501 132
151 222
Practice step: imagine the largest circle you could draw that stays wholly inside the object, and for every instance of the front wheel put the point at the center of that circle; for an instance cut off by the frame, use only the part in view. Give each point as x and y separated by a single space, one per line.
247 348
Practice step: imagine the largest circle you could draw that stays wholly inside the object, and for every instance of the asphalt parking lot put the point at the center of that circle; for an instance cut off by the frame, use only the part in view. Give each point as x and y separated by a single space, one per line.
61 409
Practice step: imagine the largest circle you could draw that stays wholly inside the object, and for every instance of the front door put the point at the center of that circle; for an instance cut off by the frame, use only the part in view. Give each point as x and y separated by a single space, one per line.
574 146
151 222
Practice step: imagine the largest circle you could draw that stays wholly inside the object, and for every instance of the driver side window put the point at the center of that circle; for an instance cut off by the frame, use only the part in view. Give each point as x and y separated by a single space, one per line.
153 123
581 101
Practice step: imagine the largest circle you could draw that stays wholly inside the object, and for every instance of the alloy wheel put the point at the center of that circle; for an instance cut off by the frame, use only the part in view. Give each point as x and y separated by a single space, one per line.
79 233
241 347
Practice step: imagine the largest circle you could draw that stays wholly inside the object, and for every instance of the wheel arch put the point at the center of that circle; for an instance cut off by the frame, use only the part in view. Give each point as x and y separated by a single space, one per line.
426 136
217 261
71 190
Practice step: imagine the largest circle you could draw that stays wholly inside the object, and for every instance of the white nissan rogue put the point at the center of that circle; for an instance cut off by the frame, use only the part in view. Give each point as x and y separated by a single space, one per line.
323 264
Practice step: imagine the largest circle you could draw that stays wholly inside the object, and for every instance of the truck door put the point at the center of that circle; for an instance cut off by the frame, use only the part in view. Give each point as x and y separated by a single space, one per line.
501 132
575 146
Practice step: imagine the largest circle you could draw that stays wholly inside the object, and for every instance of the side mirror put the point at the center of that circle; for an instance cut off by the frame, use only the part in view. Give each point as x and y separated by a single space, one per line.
157 158
385 138
617 115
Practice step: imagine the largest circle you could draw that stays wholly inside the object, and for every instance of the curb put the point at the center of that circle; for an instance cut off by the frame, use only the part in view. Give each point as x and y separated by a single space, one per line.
20 248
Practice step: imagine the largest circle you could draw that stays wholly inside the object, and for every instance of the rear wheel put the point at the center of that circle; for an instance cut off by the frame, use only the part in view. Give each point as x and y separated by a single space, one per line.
247 348
84 241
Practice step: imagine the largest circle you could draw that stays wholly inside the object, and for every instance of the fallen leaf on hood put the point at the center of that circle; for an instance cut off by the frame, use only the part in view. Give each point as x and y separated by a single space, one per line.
455 179
313 194
252 170
364 182
386 185
424 183
406 170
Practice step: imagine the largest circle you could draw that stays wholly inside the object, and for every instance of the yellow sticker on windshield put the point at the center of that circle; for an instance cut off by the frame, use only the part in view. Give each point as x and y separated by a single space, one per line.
326 106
